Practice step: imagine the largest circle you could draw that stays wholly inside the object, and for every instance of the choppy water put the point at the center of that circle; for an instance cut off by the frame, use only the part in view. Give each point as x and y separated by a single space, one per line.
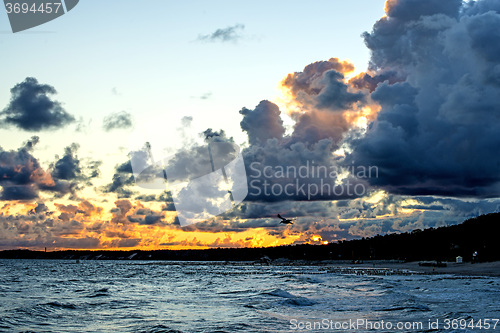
134 296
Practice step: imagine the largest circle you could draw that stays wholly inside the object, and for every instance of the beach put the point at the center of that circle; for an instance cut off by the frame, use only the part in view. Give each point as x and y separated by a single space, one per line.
477 269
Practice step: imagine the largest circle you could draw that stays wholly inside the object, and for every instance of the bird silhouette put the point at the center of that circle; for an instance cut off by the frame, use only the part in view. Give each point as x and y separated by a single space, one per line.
284 220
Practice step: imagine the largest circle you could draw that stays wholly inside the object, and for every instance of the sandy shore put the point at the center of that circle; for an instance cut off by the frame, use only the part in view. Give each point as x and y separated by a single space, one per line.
372 267
478 269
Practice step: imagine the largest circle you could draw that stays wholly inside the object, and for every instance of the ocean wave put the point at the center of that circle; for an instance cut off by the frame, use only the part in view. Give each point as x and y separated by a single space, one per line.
412 308
158 329
57 304
100 293
290 298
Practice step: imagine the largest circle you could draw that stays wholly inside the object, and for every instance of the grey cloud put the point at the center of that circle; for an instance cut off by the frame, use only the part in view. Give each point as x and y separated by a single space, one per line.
309 80
20 173
146 219
68 166
324 101
370 81
22 177
229 34
437 132
262 123
475 7
307 173
117 120
185 164
216 136
272 160
336 96
19 192
321 85
124 175
37 229
186 121
32 109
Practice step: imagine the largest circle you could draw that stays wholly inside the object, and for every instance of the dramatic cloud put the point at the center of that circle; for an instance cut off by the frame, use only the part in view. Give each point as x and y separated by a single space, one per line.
68 166
438 129
118 120
122 178
409 144
21 174
323 104
22 177
321 85
31 108
229 34
262 123
423 118
301 166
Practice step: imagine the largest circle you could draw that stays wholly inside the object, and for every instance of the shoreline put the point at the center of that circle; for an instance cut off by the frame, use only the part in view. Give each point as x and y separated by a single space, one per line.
371 267
491 269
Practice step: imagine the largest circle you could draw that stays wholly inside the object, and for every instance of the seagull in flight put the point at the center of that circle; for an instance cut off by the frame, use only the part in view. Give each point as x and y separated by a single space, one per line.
285 221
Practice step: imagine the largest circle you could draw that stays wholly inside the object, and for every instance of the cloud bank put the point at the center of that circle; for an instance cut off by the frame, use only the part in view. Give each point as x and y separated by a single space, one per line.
438 131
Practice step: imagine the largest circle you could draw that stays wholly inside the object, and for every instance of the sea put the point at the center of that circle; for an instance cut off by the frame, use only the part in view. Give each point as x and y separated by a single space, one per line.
159 296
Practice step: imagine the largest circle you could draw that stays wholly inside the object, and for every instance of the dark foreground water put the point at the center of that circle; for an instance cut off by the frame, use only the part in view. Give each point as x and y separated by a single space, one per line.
125 296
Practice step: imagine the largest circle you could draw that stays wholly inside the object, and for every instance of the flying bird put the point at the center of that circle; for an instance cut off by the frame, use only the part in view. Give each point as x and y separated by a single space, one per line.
285 221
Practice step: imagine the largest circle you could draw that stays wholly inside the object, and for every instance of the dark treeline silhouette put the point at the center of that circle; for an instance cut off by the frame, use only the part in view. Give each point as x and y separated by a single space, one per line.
480 234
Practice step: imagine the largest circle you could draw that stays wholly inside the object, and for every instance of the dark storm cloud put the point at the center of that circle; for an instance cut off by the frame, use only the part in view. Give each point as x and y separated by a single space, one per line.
145 220
68 166
435 74
70 172
309 79
325 101
335 95
370 82
22 177
277 172
32 109
19 192
40 208
16 173
138 170
312 127
321 85
273 160
229 34
165 197
479 7
118 120
93 168
216 136
126 212
438 130
119 183
262 123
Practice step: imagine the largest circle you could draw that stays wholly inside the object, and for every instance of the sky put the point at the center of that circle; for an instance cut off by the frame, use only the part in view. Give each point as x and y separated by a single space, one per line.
392 104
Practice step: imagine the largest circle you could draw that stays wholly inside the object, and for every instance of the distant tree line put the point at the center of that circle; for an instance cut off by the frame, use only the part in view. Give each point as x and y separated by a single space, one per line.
480 234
